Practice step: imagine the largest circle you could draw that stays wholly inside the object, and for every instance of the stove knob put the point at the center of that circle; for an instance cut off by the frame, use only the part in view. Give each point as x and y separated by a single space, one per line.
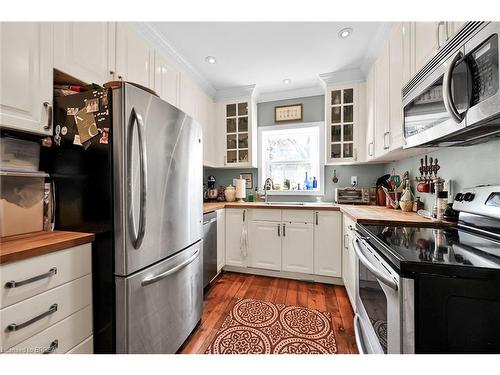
468 197
459 197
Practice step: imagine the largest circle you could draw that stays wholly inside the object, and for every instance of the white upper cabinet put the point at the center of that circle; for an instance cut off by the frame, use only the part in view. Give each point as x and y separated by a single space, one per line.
236 132
85 50
26 75
134 57
400 74
327 243
188 95
166 80
382 87
427 37
370 114
344 123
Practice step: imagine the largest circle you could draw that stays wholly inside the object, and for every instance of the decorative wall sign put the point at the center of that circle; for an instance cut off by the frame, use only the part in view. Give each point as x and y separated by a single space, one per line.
249 179
288 113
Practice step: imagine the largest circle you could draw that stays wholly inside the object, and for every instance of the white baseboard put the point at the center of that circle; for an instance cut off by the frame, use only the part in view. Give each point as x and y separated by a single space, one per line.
286 275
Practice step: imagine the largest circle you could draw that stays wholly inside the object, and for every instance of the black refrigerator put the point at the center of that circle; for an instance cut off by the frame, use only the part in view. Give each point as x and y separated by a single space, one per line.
121 161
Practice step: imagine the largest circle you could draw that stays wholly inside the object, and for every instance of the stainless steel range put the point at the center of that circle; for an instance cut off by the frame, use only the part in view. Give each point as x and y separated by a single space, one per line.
432 289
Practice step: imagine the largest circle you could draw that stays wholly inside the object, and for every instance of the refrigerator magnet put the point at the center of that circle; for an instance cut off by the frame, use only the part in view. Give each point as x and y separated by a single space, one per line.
71 111
92 105
76 140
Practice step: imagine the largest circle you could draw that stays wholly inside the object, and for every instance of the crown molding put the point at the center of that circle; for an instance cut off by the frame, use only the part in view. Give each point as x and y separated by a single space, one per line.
300 92
342 76
234 92
168 51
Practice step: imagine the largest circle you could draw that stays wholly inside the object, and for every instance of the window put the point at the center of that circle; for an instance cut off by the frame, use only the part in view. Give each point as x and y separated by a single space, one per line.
290 152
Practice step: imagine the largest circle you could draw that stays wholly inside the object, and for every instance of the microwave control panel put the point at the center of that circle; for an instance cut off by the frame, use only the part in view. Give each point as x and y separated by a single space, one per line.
483 63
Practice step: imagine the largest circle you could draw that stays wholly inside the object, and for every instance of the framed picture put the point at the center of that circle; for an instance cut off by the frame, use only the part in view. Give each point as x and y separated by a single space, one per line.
249 179
288 113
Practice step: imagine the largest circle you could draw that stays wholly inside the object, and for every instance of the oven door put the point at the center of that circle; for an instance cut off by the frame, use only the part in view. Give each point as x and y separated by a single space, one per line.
427 109
378 320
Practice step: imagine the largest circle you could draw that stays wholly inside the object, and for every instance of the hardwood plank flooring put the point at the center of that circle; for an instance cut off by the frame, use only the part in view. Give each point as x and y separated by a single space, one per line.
229 287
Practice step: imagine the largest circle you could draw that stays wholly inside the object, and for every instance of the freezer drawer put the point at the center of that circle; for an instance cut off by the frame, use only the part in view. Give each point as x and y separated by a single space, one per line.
157 308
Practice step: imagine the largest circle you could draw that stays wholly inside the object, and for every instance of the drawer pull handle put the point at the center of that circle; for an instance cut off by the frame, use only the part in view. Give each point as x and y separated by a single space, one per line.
52 348
16 284
16 327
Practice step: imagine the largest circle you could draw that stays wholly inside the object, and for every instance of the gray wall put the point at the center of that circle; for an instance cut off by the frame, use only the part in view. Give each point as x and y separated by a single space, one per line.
313 107
367 176
464 166
313 110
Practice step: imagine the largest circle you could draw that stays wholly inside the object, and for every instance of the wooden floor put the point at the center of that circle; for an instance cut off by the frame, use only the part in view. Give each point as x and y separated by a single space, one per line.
229 287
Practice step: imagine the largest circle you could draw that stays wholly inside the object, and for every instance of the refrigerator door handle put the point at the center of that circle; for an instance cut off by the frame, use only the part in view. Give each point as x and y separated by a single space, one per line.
154 279
136 118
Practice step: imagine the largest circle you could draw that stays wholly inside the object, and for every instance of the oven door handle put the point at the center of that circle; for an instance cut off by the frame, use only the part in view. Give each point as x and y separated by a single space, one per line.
450 106
379 275
357 335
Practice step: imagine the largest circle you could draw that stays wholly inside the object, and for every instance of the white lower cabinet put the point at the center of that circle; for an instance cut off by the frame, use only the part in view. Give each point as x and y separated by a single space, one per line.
297 247
264 245
46 303
349 264
295 241
327 243
221 239
236 237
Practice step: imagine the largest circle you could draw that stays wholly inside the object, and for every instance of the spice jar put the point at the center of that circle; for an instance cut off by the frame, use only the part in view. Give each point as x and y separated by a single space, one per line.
442 202
418 204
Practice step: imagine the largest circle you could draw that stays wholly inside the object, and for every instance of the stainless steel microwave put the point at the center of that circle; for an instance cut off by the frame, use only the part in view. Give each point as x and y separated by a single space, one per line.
454 100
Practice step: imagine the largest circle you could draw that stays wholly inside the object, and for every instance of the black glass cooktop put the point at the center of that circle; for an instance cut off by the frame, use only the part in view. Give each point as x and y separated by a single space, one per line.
443 251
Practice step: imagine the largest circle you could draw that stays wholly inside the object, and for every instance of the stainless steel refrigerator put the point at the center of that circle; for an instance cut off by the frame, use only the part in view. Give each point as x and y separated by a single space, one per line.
137 184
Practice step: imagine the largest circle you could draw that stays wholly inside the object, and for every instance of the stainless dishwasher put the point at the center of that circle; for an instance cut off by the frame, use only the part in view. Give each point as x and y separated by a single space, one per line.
209 247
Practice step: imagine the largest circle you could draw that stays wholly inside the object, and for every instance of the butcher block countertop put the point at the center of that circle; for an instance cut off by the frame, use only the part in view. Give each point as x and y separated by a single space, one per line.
25 246
361 213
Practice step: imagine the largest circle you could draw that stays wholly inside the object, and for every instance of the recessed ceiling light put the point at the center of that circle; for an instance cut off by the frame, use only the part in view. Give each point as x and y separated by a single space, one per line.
210 59
287 81
344 33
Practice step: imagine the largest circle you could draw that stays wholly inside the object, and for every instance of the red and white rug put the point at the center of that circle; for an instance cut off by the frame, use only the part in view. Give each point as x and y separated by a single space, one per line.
258 327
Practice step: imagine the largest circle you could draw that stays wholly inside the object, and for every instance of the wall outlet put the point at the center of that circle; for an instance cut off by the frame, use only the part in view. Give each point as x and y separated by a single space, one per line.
354 180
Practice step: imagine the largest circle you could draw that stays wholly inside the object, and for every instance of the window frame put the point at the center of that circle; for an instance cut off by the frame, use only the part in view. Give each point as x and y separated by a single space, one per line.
321 158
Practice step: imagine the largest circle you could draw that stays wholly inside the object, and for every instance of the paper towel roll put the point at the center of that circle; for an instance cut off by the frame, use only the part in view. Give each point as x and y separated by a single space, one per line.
241 189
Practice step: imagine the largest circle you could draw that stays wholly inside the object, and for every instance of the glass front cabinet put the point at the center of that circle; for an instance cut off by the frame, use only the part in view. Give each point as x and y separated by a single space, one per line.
236 117
342 123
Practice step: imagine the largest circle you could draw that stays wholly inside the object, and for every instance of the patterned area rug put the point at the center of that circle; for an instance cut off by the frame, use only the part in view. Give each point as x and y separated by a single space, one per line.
258 327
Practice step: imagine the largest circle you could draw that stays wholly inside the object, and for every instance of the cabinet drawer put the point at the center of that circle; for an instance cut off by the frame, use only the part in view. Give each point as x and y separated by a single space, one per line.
52 306
265 214
62 336
85 347
297 216
70 264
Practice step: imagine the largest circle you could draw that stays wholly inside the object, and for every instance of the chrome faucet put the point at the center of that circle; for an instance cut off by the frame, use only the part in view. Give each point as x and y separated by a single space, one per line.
268 185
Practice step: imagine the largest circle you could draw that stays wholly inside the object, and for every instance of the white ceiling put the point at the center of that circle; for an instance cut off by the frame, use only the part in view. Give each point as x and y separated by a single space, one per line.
265 53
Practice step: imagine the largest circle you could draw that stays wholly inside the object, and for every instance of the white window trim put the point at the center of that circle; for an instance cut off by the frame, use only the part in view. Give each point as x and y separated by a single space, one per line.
321 156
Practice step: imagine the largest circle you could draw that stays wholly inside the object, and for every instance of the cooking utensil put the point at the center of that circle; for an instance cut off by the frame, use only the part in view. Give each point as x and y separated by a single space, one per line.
382 181
334 178
390 201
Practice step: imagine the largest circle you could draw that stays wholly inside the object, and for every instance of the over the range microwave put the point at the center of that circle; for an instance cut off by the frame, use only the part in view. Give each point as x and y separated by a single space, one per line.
454 100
